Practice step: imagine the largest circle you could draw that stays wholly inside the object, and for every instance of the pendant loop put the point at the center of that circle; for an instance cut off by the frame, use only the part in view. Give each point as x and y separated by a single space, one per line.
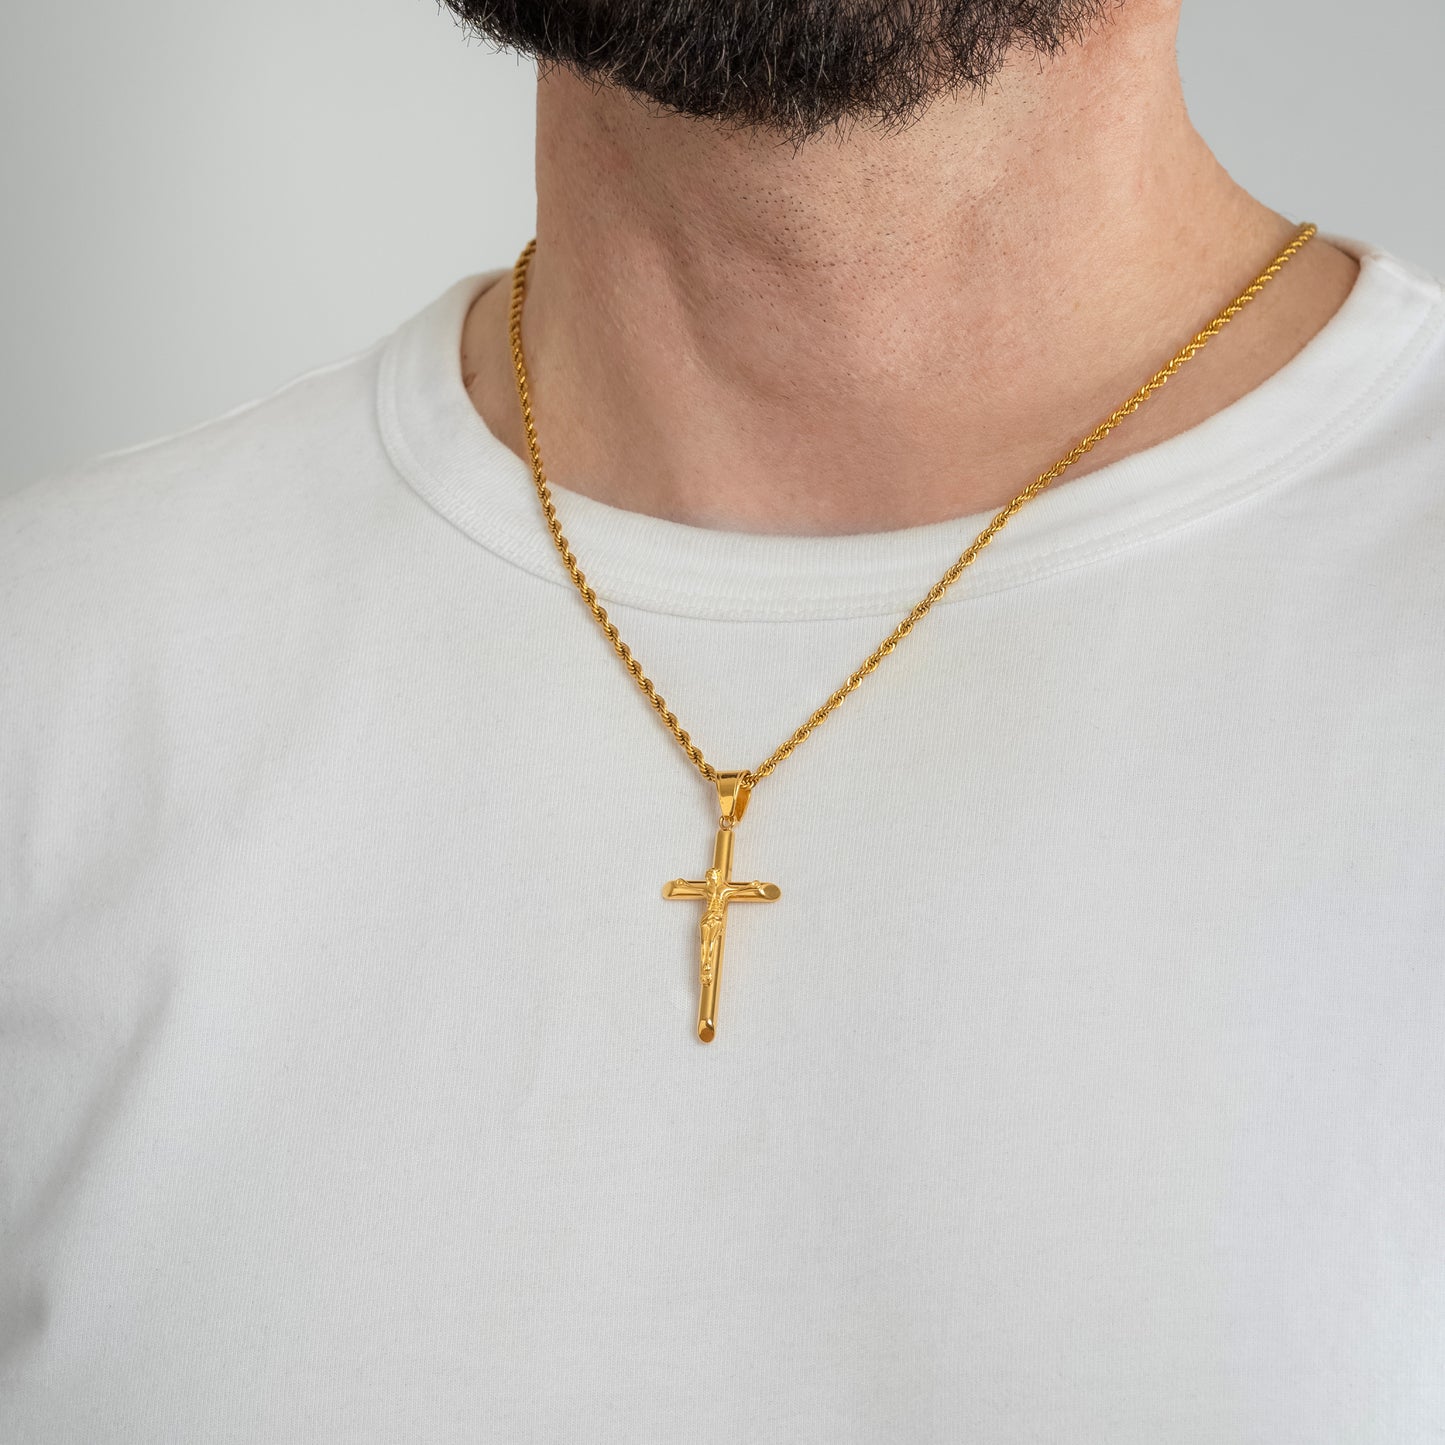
733 793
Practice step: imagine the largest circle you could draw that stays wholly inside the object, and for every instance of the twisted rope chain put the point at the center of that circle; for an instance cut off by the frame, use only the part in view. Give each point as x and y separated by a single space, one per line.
921 610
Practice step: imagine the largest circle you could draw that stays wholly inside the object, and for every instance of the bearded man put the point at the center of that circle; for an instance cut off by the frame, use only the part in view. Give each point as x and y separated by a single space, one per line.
904 460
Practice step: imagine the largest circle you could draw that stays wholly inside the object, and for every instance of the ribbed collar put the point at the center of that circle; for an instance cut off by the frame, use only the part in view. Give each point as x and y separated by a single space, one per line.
445 451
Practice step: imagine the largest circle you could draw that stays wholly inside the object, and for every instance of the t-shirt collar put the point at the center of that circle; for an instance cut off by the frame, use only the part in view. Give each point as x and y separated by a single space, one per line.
445 451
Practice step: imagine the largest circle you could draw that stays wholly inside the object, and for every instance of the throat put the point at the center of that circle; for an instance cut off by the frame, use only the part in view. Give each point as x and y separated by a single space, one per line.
836 454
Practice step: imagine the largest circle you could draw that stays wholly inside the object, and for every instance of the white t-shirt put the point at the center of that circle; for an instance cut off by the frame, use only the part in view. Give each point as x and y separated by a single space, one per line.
1085 1084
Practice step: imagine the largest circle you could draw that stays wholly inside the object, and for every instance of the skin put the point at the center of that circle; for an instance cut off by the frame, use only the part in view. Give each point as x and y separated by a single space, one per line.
883 329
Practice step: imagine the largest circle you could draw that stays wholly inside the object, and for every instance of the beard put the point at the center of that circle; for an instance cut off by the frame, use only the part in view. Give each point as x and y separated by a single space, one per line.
792 68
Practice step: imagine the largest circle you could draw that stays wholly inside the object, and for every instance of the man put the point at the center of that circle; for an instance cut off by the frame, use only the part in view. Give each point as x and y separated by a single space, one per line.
1081 1080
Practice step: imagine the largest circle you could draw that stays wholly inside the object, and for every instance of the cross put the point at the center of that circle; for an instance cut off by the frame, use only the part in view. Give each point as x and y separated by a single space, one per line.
717 889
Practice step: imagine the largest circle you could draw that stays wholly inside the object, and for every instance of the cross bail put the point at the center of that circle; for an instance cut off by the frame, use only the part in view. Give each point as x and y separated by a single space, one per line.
733 791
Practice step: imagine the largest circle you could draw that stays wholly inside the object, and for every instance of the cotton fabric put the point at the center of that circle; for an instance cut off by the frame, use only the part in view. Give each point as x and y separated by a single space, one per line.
1085 1084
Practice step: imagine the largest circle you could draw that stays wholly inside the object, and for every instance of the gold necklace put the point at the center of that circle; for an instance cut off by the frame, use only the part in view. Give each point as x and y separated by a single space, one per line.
717 888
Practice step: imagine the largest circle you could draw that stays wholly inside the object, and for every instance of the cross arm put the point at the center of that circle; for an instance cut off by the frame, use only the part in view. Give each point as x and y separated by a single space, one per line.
684 888
754 892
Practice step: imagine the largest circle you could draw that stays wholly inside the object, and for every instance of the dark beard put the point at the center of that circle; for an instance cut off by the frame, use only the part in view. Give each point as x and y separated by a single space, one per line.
795 68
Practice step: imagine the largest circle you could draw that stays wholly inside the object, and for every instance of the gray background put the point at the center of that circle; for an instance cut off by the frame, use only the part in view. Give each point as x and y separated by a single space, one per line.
202 201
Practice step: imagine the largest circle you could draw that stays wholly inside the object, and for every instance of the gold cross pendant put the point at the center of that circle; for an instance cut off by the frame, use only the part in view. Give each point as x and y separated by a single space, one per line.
717 890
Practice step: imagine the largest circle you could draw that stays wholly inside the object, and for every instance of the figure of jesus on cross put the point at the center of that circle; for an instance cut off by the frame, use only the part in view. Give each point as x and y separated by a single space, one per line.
717 889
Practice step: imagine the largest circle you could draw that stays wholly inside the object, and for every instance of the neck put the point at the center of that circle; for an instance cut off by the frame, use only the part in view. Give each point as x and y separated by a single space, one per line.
884 330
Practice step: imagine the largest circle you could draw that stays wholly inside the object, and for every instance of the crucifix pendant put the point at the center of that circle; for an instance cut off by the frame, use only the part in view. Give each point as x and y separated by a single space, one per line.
716 891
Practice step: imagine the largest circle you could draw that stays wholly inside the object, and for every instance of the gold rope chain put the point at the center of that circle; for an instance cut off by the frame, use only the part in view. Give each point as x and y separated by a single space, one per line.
589 595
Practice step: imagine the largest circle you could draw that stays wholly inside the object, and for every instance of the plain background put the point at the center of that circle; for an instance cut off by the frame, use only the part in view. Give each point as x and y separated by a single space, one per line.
203 201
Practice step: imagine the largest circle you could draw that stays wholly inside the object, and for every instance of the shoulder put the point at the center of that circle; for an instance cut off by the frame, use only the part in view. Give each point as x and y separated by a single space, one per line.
181 504
197 568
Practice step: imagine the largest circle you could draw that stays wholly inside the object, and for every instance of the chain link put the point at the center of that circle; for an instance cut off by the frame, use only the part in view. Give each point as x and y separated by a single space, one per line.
924 606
